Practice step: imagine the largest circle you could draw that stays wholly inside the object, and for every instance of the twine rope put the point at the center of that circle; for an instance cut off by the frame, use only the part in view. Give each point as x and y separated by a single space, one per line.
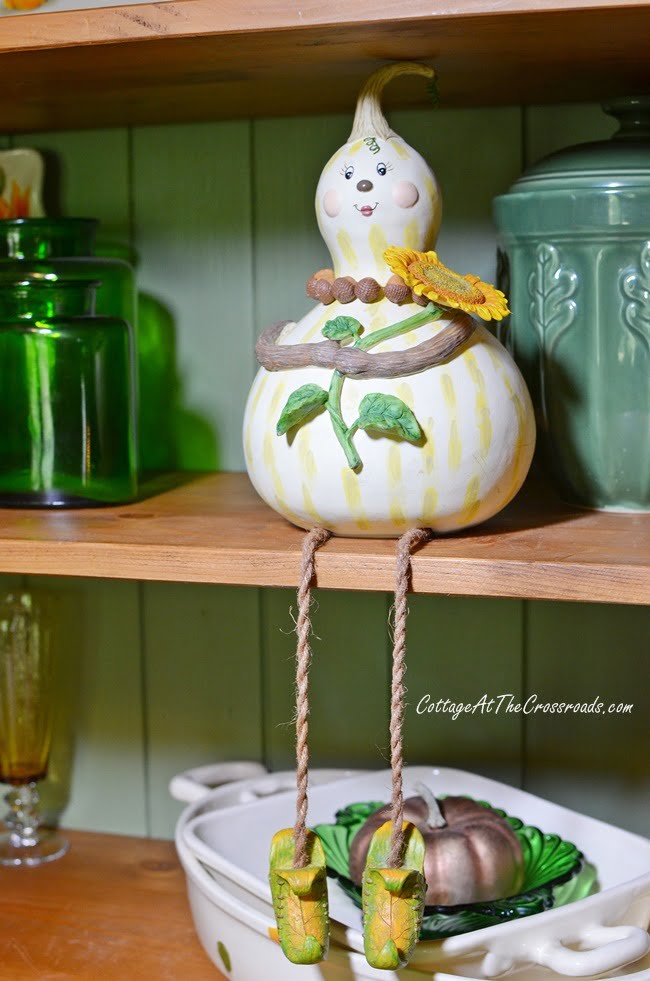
410 540
311 543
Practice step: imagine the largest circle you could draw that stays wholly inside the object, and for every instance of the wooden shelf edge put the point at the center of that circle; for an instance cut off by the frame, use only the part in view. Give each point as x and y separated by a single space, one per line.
213 528
197 18
432 575
197 60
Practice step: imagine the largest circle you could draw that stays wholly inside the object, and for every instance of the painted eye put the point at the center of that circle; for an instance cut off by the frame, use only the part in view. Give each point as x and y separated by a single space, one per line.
381 169
348 173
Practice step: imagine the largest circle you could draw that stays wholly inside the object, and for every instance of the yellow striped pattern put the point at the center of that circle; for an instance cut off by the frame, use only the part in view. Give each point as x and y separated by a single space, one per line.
346 247
353 498
483 417
454 451
378 244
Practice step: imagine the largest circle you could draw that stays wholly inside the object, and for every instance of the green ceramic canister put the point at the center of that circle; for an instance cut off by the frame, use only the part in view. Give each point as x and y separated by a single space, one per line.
574 240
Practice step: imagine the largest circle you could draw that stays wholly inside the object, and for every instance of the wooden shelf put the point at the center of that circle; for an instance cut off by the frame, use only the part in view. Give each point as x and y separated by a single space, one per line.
201 59
213 528
113 907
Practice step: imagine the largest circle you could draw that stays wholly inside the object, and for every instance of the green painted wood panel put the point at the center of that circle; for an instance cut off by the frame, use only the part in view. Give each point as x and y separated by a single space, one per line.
349 679
203 694
98 763
595 763
192 230
550 128
87 176
462 649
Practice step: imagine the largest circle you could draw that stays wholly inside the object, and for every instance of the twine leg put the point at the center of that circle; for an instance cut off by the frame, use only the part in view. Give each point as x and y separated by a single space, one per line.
312 542
408 541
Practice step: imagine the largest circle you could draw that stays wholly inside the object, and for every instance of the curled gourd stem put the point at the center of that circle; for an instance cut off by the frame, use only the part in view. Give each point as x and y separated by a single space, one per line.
369 119
435 818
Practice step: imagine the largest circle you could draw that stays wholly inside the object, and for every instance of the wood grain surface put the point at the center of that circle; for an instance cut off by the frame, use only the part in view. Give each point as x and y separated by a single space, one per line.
190 60
214 528
113 908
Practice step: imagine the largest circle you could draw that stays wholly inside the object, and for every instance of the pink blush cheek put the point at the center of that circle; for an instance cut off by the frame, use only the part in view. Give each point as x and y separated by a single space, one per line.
405 194
332 203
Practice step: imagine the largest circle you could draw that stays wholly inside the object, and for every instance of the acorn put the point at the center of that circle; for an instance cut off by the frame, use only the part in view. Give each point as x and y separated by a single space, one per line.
396 290
319 286
368 290
343 288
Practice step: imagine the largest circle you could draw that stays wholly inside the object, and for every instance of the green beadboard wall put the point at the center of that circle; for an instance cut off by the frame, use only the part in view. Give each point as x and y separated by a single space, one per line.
220 220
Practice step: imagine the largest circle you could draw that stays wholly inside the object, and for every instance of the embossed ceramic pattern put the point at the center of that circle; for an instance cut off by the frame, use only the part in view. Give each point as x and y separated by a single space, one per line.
554 874
474 410
575 238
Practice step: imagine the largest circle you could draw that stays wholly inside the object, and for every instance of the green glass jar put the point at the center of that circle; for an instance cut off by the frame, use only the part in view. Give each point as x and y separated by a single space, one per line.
67 397
574 235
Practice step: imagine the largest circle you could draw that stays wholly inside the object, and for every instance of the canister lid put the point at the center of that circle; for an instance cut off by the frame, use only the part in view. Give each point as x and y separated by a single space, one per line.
622 161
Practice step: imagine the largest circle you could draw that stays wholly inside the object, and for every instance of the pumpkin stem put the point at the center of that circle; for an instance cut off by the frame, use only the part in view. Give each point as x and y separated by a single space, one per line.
435 818
369 119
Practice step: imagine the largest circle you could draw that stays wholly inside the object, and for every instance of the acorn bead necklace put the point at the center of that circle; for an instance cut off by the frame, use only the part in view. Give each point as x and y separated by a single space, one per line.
324 287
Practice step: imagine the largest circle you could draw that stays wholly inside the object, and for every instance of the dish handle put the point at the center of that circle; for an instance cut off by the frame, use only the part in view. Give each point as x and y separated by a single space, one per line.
610 947
196 783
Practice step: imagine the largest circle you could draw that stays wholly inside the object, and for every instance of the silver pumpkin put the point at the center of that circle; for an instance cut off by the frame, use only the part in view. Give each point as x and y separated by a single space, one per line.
472 855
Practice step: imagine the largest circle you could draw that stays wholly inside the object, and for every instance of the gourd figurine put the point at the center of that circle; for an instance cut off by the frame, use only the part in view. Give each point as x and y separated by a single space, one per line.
391 414
387 411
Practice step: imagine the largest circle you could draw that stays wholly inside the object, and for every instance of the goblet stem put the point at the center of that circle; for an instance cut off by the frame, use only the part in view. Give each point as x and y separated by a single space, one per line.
23 819
26 842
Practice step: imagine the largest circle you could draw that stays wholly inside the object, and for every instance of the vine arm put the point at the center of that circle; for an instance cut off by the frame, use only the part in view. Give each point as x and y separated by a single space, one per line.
358 363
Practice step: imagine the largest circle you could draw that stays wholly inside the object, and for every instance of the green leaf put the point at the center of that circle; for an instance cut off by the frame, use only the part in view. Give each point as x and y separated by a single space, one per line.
387 414
342 328
299 404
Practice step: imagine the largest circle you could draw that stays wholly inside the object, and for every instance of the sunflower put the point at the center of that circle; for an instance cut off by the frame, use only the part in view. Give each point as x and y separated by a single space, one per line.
427 276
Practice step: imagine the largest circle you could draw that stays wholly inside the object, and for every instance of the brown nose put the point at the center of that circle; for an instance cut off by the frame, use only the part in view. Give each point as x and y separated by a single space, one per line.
364 186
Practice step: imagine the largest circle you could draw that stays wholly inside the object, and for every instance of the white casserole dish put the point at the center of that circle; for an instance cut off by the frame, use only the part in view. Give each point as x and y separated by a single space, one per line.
587 938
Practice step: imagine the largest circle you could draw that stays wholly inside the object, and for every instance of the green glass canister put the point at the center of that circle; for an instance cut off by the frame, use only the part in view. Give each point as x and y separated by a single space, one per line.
574 239
67 397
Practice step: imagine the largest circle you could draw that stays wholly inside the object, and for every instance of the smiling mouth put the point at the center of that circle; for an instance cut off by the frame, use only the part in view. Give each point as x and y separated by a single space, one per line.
367 209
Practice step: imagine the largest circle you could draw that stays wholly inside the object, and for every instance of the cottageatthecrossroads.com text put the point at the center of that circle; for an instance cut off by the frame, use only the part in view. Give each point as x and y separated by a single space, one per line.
508 703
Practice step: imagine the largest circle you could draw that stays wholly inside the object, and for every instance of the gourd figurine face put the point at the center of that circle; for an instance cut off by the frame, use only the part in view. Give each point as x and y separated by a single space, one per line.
376 191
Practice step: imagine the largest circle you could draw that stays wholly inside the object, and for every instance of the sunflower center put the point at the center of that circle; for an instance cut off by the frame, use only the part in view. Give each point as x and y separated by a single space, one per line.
446 283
